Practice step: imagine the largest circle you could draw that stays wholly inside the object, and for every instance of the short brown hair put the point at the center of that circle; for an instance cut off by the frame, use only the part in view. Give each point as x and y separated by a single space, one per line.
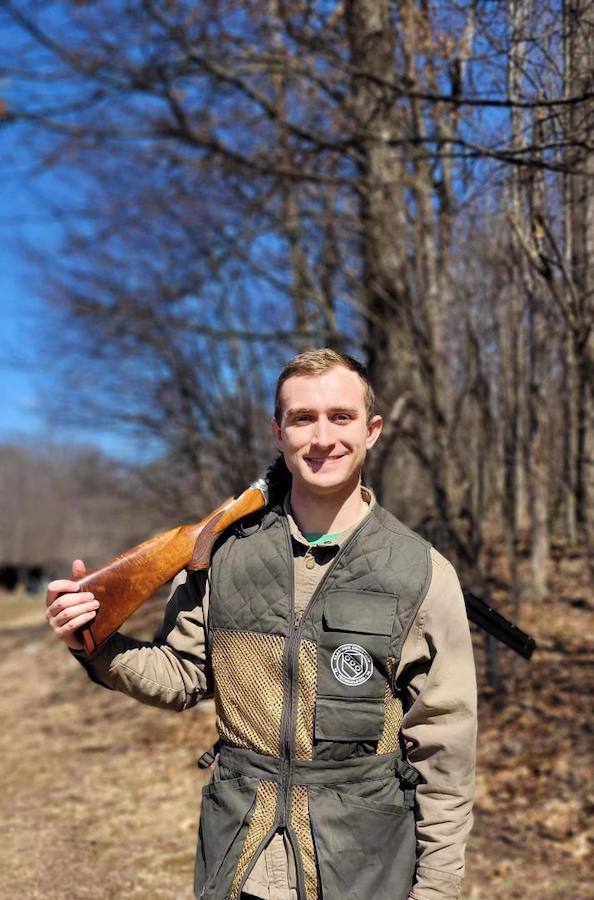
317 362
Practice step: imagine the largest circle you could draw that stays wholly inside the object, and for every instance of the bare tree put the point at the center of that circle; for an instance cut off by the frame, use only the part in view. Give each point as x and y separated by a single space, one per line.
407 182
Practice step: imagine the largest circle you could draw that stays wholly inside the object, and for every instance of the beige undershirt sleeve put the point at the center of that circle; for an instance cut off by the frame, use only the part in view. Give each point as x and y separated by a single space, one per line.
439 728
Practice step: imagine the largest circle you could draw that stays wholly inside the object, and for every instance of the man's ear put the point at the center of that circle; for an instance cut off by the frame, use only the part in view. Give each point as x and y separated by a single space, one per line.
276 434
374 429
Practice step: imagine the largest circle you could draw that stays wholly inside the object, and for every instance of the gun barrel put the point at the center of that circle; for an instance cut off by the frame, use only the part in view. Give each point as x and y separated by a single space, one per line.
501 628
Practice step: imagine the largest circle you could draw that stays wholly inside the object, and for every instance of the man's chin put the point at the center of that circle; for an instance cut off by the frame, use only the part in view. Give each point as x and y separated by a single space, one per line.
322 482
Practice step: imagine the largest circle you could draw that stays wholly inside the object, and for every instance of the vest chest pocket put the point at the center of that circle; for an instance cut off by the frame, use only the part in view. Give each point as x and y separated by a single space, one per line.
353 648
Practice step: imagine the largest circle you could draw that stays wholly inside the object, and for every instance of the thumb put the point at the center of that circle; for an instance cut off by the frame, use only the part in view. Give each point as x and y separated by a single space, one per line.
78 568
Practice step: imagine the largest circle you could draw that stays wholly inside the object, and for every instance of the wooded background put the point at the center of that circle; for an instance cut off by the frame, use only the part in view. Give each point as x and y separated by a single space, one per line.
228 183
411 182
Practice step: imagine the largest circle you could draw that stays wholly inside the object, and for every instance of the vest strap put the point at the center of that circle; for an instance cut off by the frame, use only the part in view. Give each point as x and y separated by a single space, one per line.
409 779
318 771
207 758
408 774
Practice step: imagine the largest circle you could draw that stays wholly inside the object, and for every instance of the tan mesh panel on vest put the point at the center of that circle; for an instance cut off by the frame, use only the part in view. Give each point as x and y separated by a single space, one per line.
393 713
301 823
260 824
306 699
248 673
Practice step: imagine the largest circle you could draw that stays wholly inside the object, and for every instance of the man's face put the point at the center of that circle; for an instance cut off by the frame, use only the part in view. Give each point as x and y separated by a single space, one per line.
324 434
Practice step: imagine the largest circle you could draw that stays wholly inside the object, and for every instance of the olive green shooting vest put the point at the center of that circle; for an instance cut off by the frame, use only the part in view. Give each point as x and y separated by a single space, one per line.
309 713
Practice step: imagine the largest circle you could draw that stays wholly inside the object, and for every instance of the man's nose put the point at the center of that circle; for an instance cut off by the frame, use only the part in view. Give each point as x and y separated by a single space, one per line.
323 432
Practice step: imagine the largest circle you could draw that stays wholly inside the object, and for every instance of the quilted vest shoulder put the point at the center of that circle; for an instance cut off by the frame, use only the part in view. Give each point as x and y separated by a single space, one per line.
250 577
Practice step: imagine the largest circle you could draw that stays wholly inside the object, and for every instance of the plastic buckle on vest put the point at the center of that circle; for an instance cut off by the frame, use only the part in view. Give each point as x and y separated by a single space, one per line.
409 778
207 759
408 774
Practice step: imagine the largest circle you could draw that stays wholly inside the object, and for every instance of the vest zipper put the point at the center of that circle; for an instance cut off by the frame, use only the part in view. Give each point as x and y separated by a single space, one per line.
291 655
255 856
287 716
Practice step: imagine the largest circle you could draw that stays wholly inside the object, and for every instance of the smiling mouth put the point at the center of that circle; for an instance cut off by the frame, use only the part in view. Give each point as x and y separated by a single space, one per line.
318 460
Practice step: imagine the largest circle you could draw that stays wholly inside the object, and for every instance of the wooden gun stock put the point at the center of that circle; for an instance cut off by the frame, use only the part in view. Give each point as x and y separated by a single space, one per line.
122 585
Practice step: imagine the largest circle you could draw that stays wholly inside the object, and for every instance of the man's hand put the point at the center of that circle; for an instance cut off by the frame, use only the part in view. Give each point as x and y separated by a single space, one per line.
68 608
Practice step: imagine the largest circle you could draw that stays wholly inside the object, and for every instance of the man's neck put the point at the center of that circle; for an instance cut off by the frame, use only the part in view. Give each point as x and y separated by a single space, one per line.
319 514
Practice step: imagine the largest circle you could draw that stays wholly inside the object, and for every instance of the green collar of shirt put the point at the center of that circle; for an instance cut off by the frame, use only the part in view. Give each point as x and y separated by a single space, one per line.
329 540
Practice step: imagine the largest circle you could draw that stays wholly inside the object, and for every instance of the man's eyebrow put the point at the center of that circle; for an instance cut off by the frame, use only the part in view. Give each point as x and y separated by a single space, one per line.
298 410
304 410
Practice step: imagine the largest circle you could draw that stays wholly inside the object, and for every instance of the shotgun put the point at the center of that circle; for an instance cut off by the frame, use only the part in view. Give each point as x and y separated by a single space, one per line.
122 585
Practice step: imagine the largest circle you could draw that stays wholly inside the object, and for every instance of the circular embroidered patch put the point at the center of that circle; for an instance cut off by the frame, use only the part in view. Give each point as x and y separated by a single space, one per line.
351 664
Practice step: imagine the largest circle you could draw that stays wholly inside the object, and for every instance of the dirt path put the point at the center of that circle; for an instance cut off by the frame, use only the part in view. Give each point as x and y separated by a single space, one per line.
100 794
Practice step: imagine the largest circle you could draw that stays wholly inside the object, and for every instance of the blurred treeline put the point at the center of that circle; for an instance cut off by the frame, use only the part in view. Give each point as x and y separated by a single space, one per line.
59 502
237 181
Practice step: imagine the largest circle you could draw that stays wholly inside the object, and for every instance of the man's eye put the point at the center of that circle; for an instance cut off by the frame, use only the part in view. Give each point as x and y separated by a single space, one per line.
342 417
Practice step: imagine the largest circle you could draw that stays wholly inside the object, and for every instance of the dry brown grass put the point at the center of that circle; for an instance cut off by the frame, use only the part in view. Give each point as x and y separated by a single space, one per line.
101 794
534 836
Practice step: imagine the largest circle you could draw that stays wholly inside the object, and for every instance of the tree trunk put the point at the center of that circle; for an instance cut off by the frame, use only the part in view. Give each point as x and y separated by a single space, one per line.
579 79
382 206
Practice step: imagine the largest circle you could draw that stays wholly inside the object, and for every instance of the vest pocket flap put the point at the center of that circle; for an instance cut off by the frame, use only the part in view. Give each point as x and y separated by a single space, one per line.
351 719
361 612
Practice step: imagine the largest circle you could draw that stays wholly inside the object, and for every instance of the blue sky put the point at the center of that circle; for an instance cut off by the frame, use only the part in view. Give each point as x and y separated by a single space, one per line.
26 217
24 361
19 305
20 217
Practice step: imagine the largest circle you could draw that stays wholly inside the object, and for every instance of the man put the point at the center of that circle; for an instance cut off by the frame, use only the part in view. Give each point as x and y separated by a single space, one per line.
336 644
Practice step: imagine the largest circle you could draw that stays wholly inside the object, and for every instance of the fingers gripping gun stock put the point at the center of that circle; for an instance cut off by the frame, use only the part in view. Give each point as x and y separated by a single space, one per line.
123 584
